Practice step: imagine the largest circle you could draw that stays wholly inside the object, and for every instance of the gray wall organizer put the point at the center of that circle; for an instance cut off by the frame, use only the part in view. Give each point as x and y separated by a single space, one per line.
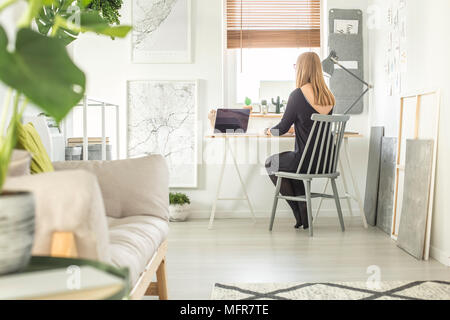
373 175
413 221
385 207
349 46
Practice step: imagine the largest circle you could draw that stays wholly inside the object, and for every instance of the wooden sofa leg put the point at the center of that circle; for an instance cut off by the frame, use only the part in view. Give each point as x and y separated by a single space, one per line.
157 265
63 245
162 280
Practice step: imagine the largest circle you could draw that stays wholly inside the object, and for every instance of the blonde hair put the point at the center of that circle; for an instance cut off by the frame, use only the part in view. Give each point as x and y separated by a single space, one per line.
309 70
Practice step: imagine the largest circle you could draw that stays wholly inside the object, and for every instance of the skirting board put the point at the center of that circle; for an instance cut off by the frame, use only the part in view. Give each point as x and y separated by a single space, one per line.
440 255
245 214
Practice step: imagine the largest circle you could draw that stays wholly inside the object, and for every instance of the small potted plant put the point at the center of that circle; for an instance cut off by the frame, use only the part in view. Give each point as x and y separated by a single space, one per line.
179 206
248 104
278 105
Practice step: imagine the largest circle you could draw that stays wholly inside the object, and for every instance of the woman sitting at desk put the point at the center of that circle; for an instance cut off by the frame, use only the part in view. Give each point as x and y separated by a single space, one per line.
311 96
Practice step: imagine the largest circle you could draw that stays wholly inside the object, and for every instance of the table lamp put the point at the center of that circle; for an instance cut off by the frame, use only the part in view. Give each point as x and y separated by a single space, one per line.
328 68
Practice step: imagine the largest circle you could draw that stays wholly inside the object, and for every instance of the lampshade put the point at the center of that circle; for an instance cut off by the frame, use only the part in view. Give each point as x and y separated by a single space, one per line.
328 63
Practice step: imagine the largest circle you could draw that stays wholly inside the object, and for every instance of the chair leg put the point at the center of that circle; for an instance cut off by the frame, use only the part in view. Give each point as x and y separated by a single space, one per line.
275 203
308 205
338 204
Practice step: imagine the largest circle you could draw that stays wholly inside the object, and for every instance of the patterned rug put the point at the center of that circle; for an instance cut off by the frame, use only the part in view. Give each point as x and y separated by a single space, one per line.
395 290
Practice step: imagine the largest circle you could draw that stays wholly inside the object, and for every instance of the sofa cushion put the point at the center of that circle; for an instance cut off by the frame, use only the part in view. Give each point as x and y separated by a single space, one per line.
67 201
131 187
28 139
19 164
134 241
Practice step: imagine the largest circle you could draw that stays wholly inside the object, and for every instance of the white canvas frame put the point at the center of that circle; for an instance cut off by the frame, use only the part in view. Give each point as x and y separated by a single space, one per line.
166 56
194 183
399 167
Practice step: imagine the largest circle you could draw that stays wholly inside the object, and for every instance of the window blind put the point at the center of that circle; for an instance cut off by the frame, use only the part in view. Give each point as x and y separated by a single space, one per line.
273 24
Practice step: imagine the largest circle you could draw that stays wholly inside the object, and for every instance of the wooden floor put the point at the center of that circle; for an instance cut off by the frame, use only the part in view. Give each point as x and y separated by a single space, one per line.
240 251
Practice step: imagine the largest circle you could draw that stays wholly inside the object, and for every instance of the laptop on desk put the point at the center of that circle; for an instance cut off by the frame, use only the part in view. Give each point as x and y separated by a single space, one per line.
231 121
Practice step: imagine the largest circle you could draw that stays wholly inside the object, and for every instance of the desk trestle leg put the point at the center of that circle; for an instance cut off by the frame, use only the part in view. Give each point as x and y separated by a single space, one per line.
244 188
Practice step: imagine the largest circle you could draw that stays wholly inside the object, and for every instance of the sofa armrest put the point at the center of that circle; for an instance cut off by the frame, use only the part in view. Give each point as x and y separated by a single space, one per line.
131 187
68 201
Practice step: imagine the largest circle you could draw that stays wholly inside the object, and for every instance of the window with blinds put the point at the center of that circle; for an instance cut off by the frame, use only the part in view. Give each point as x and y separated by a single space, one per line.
273 24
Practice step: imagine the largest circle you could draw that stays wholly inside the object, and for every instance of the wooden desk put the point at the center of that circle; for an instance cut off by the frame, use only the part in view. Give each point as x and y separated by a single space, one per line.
263 136
345 156
267 115
246 135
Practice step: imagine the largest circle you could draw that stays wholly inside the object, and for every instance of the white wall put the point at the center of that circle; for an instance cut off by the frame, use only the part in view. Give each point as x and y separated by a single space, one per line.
428 68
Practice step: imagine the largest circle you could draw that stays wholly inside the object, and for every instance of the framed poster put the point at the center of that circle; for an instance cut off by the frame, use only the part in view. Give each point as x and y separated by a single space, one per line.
161 31
162 118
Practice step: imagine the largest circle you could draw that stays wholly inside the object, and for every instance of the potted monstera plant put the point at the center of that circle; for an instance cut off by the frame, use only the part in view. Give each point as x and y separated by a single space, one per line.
37 69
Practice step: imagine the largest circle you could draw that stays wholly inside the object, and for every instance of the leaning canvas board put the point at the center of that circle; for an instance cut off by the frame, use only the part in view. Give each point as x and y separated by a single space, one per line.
385 207
373 175
161 31
162 118
418 119
413 221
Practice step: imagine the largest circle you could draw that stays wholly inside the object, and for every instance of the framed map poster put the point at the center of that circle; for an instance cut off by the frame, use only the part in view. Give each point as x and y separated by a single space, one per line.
162 119
161 31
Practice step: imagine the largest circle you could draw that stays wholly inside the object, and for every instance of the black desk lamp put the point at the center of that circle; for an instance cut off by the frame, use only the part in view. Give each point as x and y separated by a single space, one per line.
328 68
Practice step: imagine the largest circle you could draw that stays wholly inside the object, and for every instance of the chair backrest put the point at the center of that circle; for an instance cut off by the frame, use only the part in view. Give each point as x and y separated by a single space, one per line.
328 133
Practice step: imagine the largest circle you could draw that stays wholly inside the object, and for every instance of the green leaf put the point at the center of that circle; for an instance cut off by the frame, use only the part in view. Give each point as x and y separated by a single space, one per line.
69 23
46 21
31 12
108 9
84 3
178 198
42 70
7 144
3 41
91 20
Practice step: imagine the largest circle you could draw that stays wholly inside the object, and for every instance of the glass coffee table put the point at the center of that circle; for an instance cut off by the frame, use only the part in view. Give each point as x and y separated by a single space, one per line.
52 278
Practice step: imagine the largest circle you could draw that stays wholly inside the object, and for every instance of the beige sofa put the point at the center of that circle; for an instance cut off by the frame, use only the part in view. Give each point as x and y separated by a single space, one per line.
112 211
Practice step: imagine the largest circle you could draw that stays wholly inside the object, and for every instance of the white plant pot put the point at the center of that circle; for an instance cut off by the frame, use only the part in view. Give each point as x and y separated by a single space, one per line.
178 212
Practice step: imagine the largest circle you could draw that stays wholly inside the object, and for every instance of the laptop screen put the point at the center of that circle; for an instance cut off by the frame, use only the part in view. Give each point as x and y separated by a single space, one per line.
232 120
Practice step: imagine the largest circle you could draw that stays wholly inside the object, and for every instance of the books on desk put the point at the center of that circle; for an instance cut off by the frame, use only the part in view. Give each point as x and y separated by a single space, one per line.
58 284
